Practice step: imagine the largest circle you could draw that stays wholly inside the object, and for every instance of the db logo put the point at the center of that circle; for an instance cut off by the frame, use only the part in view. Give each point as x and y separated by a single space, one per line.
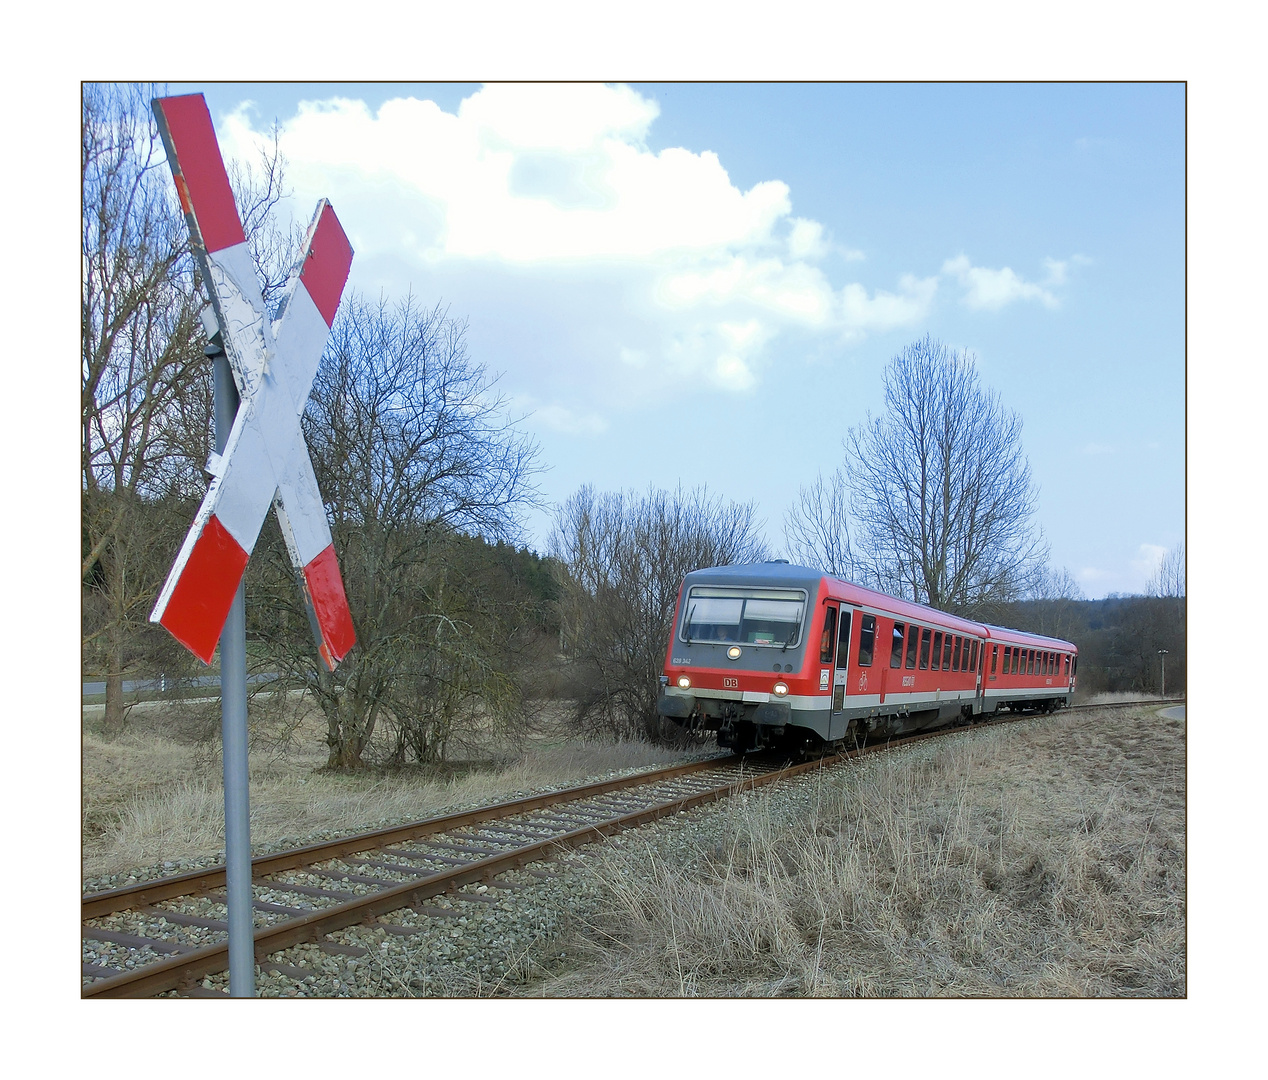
824 675
731 684
863 681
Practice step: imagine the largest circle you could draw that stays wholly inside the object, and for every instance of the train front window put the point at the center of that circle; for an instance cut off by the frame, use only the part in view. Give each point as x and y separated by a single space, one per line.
829 632
771 617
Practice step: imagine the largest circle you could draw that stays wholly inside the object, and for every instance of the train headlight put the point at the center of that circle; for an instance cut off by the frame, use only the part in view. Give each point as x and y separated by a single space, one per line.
733 652
781 688
683 682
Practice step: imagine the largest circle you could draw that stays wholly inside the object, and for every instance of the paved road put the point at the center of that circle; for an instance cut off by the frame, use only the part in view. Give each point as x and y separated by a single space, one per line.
1176 712
130 686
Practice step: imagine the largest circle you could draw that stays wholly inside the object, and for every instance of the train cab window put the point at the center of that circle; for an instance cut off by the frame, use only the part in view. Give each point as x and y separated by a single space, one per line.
867 640
913 642
896 646
925 635
937 650
828 638
955 653
1074 666
843 640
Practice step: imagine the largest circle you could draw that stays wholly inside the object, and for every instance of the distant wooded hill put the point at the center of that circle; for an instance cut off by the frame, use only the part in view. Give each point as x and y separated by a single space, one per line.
1119 638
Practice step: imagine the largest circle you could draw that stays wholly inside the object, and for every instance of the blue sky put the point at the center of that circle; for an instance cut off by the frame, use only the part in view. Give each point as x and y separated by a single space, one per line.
652 264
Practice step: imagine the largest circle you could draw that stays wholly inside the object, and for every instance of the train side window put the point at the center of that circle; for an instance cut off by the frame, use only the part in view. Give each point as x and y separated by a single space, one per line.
1066 666
913 642
867 640
937 650
946 653
925 634
896 646
955 653
973 661
843 640
1030 662
1008 659
829 636
1051 657
994 658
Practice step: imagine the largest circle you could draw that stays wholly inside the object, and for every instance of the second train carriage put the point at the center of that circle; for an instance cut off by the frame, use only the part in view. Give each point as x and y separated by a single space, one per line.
774 654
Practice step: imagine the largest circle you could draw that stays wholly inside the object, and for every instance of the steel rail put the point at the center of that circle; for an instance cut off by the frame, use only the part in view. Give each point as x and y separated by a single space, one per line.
188 966
200 881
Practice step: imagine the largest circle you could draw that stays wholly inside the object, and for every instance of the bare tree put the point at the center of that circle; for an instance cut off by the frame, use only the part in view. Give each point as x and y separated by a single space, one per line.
145 378
940 486
816 526
411 447
139 343
1054 608
1168 579
625 557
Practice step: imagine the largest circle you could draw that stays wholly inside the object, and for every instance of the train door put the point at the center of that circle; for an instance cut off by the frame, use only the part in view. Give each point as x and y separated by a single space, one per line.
979 649
842 661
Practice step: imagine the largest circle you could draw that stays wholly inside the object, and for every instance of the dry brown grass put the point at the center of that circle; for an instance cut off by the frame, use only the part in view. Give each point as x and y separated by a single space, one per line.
1045 858
154 794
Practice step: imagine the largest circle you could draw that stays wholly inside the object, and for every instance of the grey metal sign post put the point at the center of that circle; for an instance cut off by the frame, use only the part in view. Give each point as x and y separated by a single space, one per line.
233 729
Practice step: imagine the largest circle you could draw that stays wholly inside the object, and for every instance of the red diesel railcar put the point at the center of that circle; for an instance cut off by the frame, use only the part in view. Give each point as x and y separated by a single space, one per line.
774 654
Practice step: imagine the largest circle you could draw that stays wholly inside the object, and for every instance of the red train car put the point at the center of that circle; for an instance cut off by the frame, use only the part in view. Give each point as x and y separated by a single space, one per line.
773 654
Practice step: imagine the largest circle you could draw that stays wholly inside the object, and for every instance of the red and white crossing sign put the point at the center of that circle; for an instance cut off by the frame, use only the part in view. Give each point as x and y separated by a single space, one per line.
274 360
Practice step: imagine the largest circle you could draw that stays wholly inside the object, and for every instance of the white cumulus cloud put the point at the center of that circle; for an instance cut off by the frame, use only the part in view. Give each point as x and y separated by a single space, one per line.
990 290
591 268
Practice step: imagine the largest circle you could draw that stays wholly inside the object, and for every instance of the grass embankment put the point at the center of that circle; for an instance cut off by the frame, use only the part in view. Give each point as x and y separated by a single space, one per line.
155 793
1045 858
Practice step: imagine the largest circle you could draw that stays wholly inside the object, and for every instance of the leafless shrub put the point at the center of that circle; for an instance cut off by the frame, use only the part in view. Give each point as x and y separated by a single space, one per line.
413 451
624 557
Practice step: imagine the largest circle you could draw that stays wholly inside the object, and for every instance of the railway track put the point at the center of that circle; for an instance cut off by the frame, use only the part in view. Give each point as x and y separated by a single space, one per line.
170 933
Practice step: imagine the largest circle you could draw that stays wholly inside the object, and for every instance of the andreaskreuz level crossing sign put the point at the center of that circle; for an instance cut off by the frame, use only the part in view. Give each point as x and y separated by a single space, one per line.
265 461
